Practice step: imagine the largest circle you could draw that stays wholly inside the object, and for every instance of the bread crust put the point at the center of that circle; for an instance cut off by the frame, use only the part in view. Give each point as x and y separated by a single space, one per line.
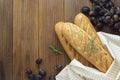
72 53
84 23
80 40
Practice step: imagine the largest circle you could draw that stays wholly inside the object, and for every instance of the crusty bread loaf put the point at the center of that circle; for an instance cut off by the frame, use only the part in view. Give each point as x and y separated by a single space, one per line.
84 23
87 46
71 52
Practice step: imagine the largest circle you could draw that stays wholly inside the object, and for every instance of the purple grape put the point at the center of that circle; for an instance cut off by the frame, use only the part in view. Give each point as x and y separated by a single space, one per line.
111 3
112 10
31 77
118 13
52 77
111 23
58 67
28 71
96 2
107 6
93 20
38 61
107 19
38 77
102 12
85 10
104 1
116 18
99 26
116 27
119 30
42 72
101 19
97 8
92 13
118 8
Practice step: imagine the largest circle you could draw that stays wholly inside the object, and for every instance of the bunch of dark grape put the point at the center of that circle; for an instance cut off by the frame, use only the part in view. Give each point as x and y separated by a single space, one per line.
41 72
104 13
40 75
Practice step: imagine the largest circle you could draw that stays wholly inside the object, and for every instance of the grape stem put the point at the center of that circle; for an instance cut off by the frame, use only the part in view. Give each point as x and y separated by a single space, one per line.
103 7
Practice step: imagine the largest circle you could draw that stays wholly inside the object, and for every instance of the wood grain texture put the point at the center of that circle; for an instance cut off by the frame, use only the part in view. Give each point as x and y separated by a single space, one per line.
26 31
6 39
25 37
117 2
73 7
50 12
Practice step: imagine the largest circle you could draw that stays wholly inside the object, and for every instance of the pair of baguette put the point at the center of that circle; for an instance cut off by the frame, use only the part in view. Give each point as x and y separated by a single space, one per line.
80 41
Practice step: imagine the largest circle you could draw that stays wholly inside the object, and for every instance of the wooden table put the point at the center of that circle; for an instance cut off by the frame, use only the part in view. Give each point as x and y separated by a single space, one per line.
26 30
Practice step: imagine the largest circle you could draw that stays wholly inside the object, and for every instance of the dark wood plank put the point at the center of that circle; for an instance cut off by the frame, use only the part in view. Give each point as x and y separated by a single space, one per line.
73 7
25 37
6 37
50 12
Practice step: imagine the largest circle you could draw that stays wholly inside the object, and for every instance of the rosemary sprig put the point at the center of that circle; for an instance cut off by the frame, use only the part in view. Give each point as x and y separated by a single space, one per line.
55 50
91 44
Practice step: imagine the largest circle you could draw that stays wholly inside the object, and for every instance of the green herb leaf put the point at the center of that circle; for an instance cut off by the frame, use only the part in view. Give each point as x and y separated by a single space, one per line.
91 45
55 50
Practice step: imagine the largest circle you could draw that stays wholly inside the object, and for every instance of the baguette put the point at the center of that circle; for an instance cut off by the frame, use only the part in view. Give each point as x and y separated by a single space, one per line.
71 52
84 23
87 46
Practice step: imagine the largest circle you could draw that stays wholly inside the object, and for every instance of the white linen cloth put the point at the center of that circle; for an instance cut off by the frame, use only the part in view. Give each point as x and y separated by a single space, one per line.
77 71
